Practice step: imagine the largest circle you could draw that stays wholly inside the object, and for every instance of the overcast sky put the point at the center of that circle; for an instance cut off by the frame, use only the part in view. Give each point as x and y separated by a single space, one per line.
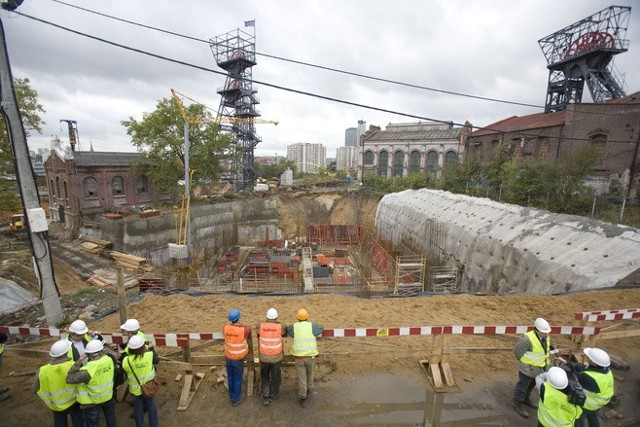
484 48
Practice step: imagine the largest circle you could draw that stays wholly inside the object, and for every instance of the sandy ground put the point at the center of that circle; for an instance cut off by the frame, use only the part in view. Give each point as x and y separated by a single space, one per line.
360 381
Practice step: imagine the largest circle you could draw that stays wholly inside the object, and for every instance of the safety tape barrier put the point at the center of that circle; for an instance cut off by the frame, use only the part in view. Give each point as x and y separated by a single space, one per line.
584 315
183 339
620 315
454 330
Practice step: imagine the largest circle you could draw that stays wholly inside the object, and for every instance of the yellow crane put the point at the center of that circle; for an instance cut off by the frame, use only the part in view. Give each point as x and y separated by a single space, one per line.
196 120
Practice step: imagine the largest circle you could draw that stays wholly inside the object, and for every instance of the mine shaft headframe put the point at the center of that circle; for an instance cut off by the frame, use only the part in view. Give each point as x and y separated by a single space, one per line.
582 52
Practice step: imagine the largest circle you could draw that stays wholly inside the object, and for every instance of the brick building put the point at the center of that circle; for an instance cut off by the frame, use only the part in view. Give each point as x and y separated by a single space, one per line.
613 128
85 183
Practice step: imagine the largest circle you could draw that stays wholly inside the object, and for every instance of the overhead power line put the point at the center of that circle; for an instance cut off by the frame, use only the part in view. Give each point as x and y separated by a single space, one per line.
278 87
308 64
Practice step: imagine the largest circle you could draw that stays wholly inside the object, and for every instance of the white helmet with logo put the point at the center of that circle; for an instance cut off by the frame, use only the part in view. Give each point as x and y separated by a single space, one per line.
598 356
94 346
131 325
542 325
78 327
60 348
558 378
272 314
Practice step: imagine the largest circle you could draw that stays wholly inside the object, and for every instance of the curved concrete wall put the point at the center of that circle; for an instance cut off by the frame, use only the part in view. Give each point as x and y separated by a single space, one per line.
506 248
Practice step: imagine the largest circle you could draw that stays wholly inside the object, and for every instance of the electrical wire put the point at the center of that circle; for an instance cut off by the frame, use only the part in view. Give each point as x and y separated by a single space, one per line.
298 91
308 64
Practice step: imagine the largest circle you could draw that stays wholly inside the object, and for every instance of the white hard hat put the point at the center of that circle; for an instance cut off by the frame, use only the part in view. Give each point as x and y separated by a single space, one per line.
135 342
94 346
59 348
542 325
78 327
557 377
272 314
598 356
131 325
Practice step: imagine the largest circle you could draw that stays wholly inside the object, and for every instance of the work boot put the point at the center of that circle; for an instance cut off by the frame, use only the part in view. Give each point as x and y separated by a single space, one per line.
265 400
530 403
520 409
303 402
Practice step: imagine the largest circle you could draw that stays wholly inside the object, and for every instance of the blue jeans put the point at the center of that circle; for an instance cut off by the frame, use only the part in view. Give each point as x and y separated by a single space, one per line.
590 416
60 418
235 369
92 414
140 404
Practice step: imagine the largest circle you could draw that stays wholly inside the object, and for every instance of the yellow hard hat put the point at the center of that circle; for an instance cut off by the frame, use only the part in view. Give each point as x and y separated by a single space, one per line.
303 314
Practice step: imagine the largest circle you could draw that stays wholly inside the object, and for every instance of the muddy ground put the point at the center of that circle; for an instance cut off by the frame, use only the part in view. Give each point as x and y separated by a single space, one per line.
360 381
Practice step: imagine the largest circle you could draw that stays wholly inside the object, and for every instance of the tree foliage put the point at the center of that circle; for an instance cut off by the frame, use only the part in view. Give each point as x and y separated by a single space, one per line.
273 171
31 113
159 138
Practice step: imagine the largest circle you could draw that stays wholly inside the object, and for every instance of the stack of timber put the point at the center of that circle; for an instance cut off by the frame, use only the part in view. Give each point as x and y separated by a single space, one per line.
101 282
95 246
131 262
107 278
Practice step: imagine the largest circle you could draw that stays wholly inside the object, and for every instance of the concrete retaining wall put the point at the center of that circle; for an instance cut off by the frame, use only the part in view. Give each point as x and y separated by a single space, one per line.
213 227
506 248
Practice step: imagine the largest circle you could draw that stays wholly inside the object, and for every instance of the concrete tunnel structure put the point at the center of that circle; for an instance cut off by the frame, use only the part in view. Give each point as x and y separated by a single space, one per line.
505 248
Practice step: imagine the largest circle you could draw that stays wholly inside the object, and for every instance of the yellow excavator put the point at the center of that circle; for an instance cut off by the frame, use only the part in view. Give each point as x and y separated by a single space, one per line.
17 222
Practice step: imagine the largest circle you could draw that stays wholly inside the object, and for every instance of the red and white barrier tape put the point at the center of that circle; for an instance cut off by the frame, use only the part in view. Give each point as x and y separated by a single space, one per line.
453 330
183 339
624 313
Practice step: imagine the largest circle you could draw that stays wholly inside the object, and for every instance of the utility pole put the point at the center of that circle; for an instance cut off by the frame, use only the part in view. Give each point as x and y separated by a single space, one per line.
35 215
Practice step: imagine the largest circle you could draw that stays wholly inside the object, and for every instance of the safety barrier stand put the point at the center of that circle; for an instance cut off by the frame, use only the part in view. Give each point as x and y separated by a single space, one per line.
591 317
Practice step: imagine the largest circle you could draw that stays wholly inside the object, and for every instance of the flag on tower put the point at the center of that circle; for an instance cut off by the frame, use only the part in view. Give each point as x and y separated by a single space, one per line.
251 23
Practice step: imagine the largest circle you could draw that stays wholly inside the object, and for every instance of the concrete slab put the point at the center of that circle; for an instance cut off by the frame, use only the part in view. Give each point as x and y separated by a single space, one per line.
13 297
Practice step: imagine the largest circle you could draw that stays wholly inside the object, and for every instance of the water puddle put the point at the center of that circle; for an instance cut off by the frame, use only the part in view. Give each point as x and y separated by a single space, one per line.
388 400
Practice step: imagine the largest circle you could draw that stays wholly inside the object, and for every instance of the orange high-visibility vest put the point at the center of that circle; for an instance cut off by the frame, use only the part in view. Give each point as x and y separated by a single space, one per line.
270 338
235 344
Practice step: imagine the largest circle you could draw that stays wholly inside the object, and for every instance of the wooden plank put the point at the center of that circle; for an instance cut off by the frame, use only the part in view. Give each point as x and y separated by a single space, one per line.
619 334
448 375
183 404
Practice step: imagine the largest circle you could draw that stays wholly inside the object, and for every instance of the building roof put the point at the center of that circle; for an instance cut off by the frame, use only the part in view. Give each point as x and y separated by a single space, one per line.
633 98
415 135
517 123
98 158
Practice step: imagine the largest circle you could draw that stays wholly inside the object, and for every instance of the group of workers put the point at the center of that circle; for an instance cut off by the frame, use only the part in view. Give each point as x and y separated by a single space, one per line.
81 378
270 332
564 401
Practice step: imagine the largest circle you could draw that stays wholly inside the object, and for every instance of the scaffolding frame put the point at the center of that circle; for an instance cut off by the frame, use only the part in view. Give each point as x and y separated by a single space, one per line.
409 274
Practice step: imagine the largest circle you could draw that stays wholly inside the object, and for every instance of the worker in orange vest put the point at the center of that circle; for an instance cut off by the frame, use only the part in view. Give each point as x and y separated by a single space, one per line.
236 349
270 333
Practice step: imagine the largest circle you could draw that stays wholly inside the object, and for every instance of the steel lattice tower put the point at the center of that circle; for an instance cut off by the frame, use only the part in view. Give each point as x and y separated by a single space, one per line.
583 52
235 52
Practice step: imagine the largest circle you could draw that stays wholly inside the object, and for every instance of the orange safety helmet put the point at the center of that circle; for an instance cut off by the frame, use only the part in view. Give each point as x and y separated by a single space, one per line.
303 314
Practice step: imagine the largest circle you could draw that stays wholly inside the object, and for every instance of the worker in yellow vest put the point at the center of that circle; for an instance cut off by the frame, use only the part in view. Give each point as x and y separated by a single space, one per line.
532 352
129 329
270 333
79 337
236 349
4 391
597 383
555 409
139 365
95 384
50 384
304 350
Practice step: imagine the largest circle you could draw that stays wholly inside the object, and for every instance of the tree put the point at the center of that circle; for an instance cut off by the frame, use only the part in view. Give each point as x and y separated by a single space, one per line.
273 171
568 176
526 180
159 138
30 111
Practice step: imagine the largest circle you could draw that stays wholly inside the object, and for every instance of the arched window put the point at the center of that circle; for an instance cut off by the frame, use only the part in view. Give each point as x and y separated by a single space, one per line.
58 189
383 163
451 158
90 188
368 158
53 189
142 184
117 186
414 162
599 143
432 161
66 194
398 163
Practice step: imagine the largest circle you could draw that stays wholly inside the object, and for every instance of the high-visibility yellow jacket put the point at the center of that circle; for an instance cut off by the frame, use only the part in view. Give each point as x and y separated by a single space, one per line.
100 388
304 342
143 367
538 355
54 390
554 409
595 400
